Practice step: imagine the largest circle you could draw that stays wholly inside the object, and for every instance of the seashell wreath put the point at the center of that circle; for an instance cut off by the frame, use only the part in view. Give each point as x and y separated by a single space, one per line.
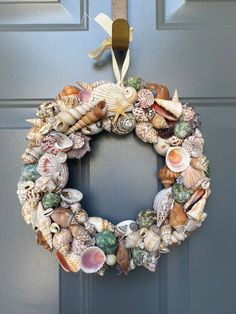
63 129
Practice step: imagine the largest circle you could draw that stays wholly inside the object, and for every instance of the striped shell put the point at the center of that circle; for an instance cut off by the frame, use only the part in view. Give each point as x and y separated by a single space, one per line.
163 203
146 132
124 125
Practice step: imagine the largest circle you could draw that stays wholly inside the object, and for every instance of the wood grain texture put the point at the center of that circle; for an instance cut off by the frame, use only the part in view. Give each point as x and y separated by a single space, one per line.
119 9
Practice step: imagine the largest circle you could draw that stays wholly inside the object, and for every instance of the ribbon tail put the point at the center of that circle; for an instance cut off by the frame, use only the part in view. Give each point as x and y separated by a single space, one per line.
115 68
98 52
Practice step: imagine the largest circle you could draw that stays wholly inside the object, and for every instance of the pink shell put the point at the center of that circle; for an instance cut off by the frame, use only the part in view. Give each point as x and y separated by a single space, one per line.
85 96
92 259
145 98
56 142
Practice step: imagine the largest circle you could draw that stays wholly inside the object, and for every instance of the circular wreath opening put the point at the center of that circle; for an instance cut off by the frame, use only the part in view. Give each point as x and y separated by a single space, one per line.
63 130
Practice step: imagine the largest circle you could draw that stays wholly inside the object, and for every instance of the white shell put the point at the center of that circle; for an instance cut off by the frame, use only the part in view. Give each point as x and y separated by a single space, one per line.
23 187
161 146
180 161
163 203
126 227
152 241
71 196
44 224
111 259
173 106
92 129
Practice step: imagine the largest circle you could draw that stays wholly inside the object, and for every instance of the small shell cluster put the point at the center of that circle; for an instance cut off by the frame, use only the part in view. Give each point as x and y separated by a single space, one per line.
63 129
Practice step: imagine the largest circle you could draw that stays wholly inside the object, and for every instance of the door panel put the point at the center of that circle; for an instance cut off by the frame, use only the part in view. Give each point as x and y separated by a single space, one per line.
190 45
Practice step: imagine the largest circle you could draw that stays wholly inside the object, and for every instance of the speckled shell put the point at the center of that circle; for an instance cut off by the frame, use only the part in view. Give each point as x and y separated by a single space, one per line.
145 98
163 203
146 132
180 193
79 232
174 141
167 176
92 259
165 233
107 241
177 217
146 218
139 114
80 145
177 159
124 125
62 238
112 94
192 176
81 216
182 129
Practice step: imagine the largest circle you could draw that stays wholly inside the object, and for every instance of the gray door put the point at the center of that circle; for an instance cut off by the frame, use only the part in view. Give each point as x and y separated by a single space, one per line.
189 45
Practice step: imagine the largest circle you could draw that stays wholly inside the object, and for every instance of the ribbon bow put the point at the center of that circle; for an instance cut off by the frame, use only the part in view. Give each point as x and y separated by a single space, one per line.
106 23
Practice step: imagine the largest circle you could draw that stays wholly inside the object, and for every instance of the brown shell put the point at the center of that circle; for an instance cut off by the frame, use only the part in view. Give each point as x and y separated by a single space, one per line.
159 122
122 257
42 241
167 176
162 91
177 217
69 90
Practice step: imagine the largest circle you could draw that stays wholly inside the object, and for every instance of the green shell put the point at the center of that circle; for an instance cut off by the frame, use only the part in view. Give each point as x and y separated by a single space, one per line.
140 256
30 172
135 81
51 200
107 241
180 193
183 129
146 218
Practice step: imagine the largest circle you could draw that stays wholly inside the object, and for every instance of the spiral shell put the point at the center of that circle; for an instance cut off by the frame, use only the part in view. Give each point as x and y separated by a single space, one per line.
167 176
139 114
31 155
146 132
159 122
68 90
124 125
177 217
174 141
163 203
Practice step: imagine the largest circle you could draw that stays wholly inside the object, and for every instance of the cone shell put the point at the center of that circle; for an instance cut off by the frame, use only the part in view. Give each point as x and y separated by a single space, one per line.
192 176
97 113
163 203
146 132
92 259
159 122
177 159
197 210
167 176
177 217
123 257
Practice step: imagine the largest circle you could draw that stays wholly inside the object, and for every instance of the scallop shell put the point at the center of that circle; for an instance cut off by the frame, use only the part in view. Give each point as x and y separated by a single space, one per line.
61 238
169 109
200 163
97 113
192 176
92 259
145 98
101 224
159 122
194 144
31 155
124 125
125 228
146 132
23 187
174 141
56 142
91 86
69 117
163 203
152 241
71 196
161 147
177 159
167 176
177 217
165 232
44 224
112 94
81 145
123 257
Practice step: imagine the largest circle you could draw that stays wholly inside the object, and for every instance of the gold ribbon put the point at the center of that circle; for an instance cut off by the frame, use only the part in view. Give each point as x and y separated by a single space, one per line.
106 23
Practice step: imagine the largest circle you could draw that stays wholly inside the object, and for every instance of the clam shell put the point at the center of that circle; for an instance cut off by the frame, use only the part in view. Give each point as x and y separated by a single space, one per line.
200 163
177 159
192 176
163 203
167 176
161 147
71 196
146 132
92 259
126 227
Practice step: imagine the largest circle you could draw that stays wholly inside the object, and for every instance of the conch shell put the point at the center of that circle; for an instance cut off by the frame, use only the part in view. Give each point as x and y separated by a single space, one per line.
146 132
97 113
196 211
169 109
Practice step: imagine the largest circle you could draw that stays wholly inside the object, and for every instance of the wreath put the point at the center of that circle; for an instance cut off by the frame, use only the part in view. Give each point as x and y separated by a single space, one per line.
63 129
